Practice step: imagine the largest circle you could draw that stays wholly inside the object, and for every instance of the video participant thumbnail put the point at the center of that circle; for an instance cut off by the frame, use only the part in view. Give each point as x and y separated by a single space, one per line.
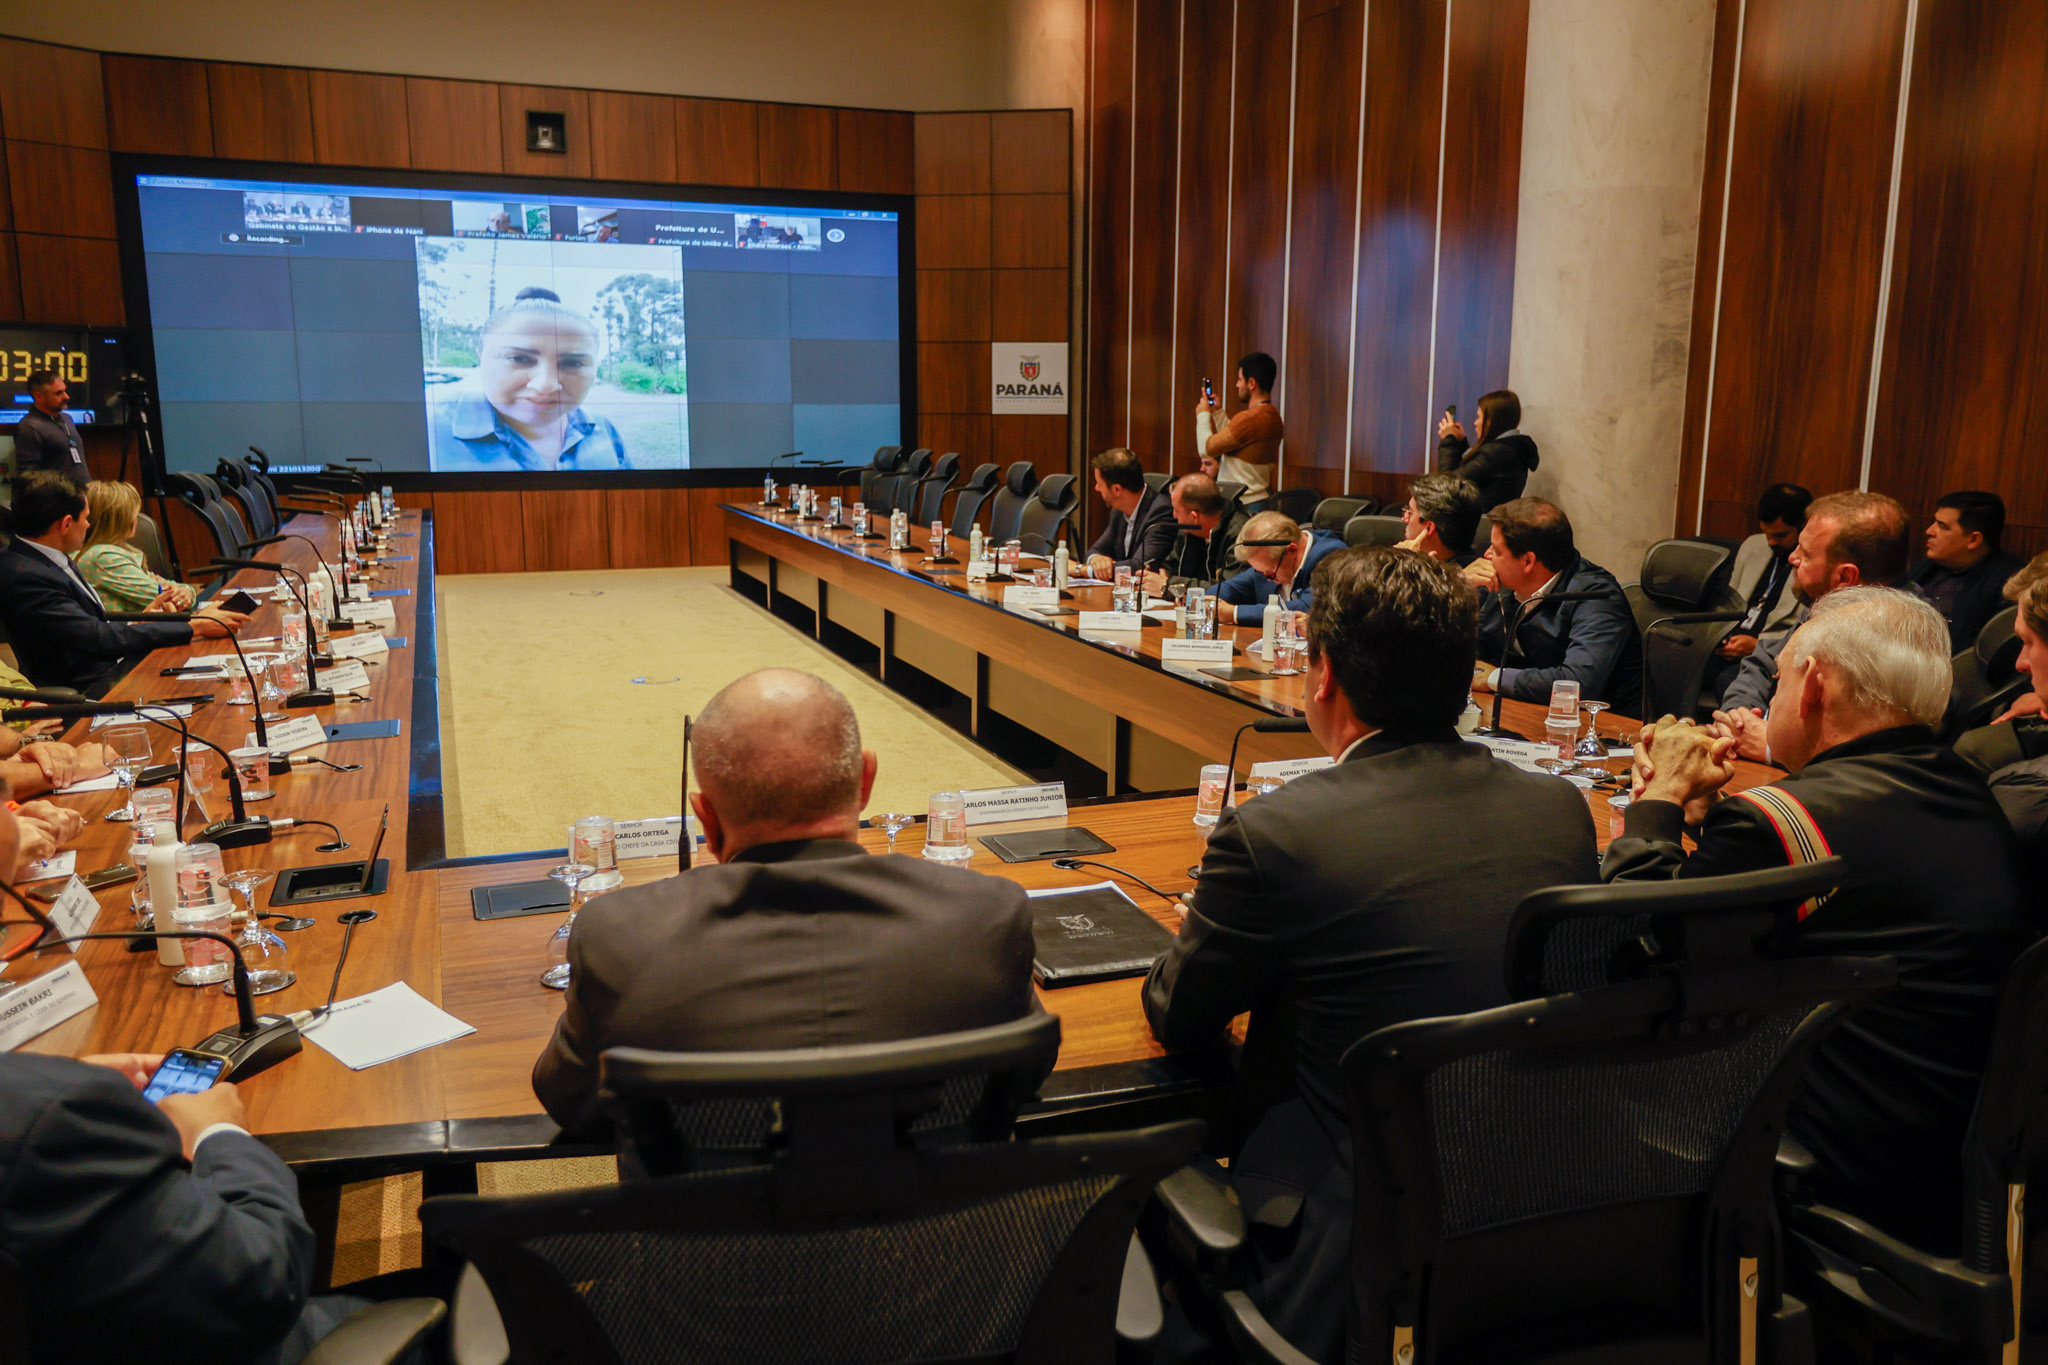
484 218
552 356
284 208
781 231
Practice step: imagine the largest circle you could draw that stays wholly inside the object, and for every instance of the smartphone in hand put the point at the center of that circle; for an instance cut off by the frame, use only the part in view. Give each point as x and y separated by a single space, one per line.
1451 411
1209 391
240 601
184 1072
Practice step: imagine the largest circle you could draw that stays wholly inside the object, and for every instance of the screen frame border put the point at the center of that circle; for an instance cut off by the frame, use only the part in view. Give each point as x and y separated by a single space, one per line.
138 336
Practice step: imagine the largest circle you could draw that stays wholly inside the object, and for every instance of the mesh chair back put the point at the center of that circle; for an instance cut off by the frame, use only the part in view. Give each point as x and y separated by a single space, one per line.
1298 503
1581 1176
1986 677
150 541
1157 480
1678 647
2011 1112
902 491
1375 531
931 489
1048 514
887 460
971 497
223 530
1331 514
1006 511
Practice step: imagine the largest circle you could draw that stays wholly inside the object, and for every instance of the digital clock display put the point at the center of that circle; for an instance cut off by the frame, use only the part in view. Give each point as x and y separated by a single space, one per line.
89 361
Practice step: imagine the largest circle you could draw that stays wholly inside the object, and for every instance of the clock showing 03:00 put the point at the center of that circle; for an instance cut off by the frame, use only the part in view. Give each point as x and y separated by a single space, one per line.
16 366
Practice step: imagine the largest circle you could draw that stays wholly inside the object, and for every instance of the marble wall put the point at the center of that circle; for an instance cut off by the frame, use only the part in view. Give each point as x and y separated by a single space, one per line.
1614 129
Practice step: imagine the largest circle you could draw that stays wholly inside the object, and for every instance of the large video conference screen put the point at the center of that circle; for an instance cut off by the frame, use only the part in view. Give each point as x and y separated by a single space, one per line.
459 331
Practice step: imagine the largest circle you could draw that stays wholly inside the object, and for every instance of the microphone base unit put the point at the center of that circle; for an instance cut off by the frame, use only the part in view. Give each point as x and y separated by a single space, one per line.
274 1039
328 882
253 829
311 697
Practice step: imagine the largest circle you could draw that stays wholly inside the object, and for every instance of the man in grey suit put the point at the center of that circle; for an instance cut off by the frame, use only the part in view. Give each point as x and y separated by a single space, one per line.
1368 893
798 937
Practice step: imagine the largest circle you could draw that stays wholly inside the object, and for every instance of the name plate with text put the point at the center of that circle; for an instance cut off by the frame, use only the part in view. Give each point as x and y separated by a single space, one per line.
74 911
1026 597
1194 651
44 1003
659 837
1287 769
993 805
1112 620
358 646
300 732
381 612
350 676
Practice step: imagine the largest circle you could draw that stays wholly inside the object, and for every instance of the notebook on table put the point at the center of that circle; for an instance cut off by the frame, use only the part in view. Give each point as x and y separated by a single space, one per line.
1092 933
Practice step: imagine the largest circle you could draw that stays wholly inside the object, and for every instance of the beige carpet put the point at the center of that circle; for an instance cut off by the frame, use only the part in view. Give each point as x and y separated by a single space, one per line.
542 723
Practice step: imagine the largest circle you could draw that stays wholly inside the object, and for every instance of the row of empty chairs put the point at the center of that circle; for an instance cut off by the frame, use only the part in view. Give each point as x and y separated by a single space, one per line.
1012 504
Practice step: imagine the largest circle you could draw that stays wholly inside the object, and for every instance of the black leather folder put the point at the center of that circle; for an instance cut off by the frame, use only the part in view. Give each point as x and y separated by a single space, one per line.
1094 934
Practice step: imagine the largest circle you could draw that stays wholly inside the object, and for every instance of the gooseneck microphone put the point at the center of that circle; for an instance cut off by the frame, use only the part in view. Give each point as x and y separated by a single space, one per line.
340 584
311 694
1266 725
1511 647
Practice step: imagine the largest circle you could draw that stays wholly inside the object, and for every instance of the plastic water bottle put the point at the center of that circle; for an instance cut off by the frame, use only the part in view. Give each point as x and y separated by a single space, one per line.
768 490
974 545
1269 627
161 871
1062 565
939 546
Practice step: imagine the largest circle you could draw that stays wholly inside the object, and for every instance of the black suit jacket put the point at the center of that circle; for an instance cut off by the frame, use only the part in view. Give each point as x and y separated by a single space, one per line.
1933 880
1595 642
1152 536
1498 469
1973 596
814 943
127 1253
1211 559
1368 893
62 637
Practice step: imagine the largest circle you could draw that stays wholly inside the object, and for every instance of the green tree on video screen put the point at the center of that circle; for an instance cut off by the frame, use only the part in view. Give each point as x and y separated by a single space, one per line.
643 319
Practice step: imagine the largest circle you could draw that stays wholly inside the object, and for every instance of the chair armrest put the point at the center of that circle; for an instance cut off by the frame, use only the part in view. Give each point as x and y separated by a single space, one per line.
1935 1295
1254 1337
1795 1166
379 1334
1202 1211
1140 1316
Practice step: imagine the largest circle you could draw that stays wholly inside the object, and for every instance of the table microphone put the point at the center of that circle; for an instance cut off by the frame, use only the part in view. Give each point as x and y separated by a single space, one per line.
311 694
1267 725
340 585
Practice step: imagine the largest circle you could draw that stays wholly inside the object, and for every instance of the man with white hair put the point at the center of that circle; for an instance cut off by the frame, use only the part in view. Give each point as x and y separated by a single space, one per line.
1931 878
798 937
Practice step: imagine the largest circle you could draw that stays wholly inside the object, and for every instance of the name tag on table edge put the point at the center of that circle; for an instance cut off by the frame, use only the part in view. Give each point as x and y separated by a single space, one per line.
347 676
44 1003
56 865
300 732
74 911
1287 769
657 837
994 805
1030 597
1111 621
356 646
370 611
1195 651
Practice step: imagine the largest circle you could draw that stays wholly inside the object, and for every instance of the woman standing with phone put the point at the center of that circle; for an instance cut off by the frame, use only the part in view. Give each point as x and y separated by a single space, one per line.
1499 457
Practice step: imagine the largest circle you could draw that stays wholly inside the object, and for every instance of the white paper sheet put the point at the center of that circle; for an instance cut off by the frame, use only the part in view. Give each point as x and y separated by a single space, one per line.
105 782
383 1026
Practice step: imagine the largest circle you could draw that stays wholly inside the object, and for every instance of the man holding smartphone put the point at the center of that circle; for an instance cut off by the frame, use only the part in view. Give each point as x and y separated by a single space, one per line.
1247 445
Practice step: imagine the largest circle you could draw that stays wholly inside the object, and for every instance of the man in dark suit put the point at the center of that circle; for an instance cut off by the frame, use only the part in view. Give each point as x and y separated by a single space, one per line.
1358 896
1931 878
60 630
1532 555
1141 526
1965 570
1209 527
798 937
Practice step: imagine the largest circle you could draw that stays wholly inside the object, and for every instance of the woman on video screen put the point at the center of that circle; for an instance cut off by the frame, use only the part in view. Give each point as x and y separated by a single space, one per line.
536 361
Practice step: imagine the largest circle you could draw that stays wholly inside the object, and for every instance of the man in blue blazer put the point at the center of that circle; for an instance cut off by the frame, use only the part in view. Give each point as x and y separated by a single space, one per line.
1280 556
1532 556
61 633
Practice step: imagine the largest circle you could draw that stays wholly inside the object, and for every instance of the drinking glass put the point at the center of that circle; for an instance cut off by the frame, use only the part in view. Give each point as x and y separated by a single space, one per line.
1209 797
128 755
1286 659
1561 725
199 762
1013 550
202 906
263 952
269 695
152 806
571 875
241 684
252 766
1590 746
894 823
945 828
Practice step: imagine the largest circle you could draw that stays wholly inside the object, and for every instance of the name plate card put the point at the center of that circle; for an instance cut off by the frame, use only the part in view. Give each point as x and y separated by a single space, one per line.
1287 769
994 805
1112 620
357 646
56 865
345 677
1199 652
74 911
381 612
300 732
1031 598
659 837
44 1003
358 592
181 709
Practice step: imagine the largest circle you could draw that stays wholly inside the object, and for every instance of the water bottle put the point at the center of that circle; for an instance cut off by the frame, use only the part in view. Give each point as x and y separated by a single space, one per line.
899 530
939 546
1269 628
1188 614
161 871
1062 565
974 545
767 490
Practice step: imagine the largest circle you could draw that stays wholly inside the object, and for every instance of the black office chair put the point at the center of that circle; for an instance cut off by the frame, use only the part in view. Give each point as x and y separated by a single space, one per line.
1986 676
864 1203
1956 1306
1684 608
1158 480
972 497
1006 511
1048 516
1332 513
1582 1178
1482 532
223 527
887 461
1374 531
256 509
1298 503
149 539
930 496
902 491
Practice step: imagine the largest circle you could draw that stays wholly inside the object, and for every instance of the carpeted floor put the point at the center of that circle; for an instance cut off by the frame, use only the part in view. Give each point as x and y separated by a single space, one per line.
542 723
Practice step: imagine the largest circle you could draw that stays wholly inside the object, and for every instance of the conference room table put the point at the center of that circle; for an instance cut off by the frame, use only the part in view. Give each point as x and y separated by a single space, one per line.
448 1106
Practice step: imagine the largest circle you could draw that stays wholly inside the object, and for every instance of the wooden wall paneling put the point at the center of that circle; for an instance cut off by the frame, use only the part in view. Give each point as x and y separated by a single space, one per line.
565 529
1256 171
6 194
1804 246
1707 272
1038 437
1031 151
799 147
632 137
1029 305
1199 234
10 281
455 125
718 142
52 94
648 528
62 191
1966 346
70 280
478 532
875 155
1404 65
157 105
953 232
260 113
707 523
1105 287
951 153
1482 167
1151 219
953 305
952 376
359 119
1029 231
574 107
973 436
1325 213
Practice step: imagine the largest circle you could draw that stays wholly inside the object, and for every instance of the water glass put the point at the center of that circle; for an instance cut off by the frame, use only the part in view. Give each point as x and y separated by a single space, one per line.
241 681
945 828
1590 745
894 823
1041 577
1286 646
860 517
128 754
571 875
1012 552
594 842
252 768
938 540
288 673
203 904
1124 589
1205 628
153 806
1210 796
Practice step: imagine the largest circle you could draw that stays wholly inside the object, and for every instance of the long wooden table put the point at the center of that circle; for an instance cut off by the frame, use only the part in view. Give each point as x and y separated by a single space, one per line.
472 1099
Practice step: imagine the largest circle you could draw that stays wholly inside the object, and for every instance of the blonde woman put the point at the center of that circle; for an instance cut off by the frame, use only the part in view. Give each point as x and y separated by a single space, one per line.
117 571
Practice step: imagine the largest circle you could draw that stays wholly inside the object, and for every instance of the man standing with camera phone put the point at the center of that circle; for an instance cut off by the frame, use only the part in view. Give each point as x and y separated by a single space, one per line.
1246 446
